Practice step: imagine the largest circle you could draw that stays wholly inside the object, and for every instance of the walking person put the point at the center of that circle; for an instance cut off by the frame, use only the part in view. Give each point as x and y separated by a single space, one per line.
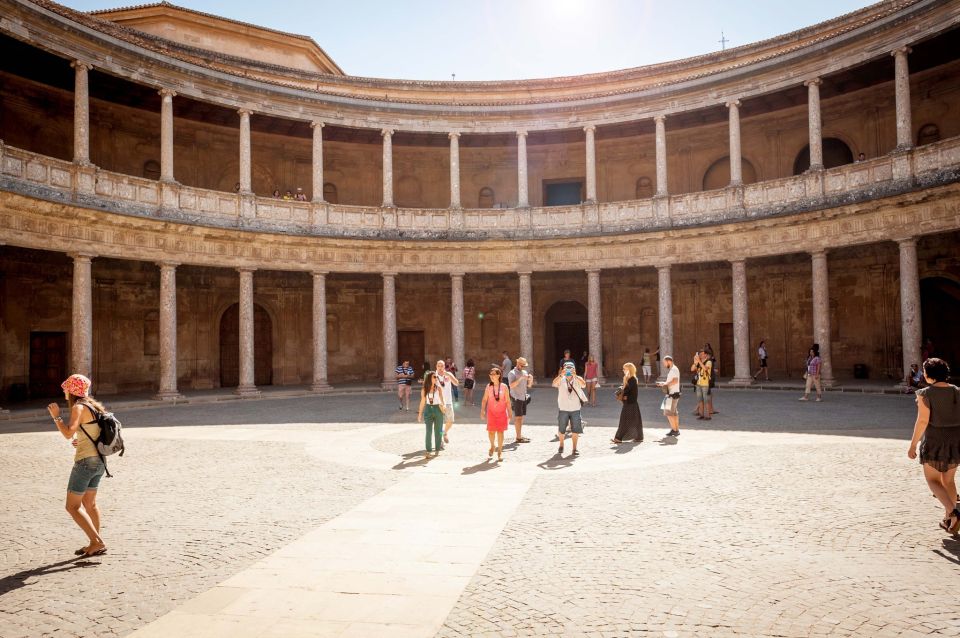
431 413
446 382
646 364
812 374
520 381
506 364
591 374
570 398
762 356
631 423
404 373
496 407
937 431
469 379
88 466
671 402
702 369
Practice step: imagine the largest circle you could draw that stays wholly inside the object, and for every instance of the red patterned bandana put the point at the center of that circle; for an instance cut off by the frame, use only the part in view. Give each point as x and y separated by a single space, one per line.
77 385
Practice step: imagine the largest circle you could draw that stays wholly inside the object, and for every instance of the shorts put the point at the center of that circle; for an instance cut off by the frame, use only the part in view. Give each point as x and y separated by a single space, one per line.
519 406
670 406
763 362
593 380
647 370
403 390
85 475
573 418
703 392
468 384
448 412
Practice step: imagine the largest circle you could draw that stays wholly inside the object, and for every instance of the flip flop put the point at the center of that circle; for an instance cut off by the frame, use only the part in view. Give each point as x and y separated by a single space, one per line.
99 552
80 552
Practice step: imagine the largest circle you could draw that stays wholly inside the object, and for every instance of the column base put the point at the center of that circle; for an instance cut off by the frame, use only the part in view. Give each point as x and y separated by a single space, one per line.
740 381
247 391
321 386
170 395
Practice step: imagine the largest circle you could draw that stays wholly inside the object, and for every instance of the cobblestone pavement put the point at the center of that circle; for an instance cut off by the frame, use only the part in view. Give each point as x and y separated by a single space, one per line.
777 518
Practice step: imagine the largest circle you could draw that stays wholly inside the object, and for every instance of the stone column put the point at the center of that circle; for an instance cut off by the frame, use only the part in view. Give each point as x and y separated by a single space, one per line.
665 312
387 135
526 318
523 198
815 125
247 386
736 171
320 383
245 179
81 113
661 148
741 325
456 317
821 316
902 84
81 331
594 320
454 170
317 164
910 318
166 135
168 332
389 330
591 163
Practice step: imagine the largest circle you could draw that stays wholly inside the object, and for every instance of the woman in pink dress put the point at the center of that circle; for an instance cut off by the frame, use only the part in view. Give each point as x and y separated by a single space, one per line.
496 408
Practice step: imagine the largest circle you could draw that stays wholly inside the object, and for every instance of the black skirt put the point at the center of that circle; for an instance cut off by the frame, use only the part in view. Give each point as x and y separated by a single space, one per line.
940 448
631 424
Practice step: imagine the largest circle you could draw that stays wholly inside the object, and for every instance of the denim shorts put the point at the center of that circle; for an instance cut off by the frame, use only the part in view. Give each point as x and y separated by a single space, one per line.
86 475
564 417
703 392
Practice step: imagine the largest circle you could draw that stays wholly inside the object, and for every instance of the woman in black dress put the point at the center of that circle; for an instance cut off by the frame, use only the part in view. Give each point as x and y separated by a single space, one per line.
938 425
631 425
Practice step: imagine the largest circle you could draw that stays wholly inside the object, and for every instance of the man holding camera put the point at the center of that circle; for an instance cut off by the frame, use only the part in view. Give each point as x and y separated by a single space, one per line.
570 399
519 380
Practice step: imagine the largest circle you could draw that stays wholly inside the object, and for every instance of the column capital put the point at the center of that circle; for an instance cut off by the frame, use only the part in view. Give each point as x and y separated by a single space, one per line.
453 135
243 269
242 112
387 132
525 273
664 267
80 64
741 260
593 271
165 92
319 273
906 241
659 118
167 265
522 134
389 275
904 50
457 275
819 253
316 124
82 256
733 104
590 128
813 82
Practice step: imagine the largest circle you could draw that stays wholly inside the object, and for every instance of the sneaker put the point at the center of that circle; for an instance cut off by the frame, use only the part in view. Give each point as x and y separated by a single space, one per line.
818 399
803 399
576 453
673 432
560 450
676 433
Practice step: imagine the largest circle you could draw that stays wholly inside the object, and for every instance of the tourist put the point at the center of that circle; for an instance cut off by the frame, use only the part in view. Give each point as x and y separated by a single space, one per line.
506 364
591 373
646 365
914 379
762 356
702 369
431 412
276 193
656 358
861 158
288 196
582 368
520 382
937 430
446 381
570 398
631 424
300 197
812 374
469 379
567 359
671 402
452 369
495 407
404 373
88 466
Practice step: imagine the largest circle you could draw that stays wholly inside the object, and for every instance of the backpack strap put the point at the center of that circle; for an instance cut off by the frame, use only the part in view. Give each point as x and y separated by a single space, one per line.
96 414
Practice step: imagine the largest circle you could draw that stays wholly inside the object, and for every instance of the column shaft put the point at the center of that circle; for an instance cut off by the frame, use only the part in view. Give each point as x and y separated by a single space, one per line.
661 151
81 333
456 316
741 325
245 174
247 365
81 113
910 318
902 87
320 332
665 312
523 197
594 319
591 163
736 170
166 135
389 330
526 318
168 332
454 170
821 315
815 125
387 135
317 162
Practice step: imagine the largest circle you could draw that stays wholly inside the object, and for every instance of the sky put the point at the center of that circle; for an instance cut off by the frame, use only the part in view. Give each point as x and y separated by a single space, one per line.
515 39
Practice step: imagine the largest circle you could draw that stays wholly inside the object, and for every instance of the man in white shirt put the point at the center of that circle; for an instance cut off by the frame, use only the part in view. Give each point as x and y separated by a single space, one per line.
570 398
446 380
672 400
519 380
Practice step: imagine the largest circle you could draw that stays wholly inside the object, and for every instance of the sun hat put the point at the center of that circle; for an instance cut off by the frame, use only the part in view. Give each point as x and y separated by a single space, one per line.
668 357
77 385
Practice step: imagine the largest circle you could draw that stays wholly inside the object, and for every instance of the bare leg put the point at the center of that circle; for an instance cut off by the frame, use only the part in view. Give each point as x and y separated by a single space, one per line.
490 435
674 422
949 480
518 426
80 517
89 500
575 438
499 444
935 483
560 435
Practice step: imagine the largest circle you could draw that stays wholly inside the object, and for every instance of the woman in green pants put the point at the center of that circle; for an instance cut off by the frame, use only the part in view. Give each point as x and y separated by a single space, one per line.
431 411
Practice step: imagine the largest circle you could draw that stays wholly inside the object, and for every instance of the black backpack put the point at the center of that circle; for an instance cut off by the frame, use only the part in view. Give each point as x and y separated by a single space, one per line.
110 440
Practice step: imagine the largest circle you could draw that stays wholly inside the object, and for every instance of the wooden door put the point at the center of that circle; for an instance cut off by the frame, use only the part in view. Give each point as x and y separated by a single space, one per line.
48 363
411 346
726 363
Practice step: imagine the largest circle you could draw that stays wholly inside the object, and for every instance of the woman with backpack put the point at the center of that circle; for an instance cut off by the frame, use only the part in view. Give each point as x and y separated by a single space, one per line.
88 467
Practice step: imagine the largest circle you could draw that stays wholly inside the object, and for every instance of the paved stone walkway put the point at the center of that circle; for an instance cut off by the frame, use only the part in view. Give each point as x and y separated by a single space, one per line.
320 517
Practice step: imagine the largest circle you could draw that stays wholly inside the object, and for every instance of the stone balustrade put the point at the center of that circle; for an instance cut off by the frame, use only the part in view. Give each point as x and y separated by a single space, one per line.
60 180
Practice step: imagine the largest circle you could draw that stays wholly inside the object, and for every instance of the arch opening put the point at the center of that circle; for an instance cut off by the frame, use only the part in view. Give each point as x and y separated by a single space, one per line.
565 328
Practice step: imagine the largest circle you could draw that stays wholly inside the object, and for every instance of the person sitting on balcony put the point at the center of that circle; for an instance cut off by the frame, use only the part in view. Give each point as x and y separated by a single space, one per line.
300 197
276 193
288 196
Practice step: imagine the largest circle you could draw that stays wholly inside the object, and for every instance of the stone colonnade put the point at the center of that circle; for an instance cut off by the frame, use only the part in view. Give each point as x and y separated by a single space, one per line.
82 328
82 140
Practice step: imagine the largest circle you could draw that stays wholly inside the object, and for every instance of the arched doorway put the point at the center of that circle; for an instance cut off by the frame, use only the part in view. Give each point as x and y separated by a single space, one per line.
835 153
565 328
718 175
230 347
940 312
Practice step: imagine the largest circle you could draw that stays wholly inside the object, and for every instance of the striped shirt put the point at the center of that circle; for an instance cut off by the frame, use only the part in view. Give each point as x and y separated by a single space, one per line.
404 370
